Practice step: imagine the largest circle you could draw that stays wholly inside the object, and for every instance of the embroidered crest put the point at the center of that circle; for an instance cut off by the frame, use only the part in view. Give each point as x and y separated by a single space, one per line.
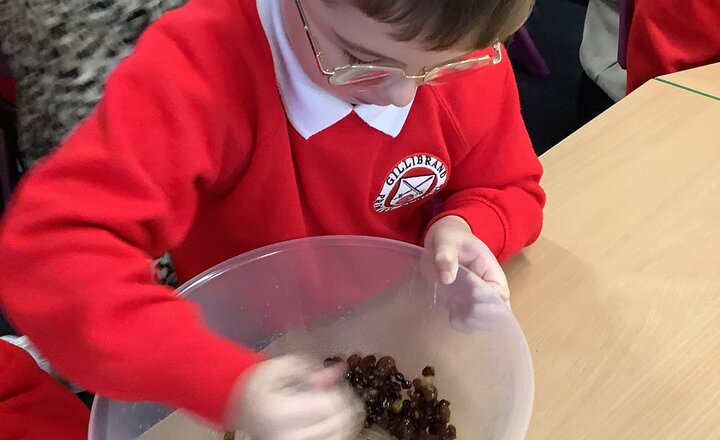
414 178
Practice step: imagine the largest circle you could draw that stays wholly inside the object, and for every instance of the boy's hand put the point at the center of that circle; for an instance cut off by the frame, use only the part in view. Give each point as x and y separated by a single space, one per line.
451 243
291 398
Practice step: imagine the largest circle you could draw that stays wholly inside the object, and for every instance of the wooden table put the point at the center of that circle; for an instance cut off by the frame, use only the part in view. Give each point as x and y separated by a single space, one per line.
703 80
620 296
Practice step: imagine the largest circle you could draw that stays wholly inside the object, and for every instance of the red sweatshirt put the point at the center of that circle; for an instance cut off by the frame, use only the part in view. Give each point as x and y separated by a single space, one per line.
190 150
667 36
33 405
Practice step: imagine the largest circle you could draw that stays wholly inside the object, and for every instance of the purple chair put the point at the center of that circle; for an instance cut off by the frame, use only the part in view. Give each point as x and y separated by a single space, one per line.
527 53
8 150
8 170
626 13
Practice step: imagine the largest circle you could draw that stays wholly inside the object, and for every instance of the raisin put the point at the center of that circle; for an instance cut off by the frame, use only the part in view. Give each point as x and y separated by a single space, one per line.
450 433
385 364
354 361
419 416
368 363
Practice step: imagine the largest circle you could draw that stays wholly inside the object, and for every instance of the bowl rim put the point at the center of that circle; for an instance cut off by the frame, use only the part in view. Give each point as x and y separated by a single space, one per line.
290 245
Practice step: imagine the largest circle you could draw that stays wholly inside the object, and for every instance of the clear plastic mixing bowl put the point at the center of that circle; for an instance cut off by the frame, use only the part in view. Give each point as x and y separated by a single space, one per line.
339 295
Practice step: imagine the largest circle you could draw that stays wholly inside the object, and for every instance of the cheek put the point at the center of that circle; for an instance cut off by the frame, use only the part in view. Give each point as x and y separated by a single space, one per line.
333 57
345 94
332 54
398 94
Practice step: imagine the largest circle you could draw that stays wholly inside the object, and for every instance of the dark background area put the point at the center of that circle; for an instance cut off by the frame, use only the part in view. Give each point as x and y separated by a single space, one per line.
5 328
556 105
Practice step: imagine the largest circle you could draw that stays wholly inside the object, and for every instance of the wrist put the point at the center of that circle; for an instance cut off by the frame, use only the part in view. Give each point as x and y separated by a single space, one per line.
236 400
455 221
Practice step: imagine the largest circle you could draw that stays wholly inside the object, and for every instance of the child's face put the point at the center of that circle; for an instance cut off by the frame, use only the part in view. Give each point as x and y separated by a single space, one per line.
345 36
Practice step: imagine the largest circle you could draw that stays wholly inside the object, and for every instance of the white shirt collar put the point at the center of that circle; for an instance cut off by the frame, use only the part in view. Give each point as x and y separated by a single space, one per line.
309 108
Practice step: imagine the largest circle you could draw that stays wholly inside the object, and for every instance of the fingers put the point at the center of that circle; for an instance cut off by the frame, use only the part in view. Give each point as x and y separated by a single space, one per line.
484 290
451 243
483 307
443 240
461 325
481 261
291 398
465 249
320 414
329 376
483 316
446 262
332 428
344 423
310 408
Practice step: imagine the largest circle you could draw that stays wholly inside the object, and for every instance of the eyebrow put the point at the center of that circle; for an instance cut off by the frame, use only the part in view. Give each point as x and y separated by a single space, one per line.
357 48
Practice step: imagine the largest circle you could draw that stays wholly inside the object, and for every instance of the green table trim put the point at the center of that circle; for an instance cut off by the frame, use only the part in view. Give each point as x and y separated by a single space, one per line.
680 86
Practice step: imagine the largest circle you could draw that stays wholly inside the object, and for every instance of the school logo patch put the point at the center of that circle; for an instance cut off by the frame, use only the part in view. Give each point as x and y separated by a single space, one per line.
414 178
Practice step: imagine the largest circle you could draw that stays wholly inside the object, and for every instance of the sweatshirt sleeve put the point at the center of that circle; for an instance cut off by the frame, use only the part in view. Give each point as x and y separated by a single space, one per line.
77 243
33 404
495 186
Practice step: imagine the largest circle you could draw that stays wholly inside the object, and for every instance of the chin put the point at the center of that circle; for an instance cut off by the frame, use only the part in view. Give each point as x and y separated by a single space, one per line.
359 100
370 102
355 100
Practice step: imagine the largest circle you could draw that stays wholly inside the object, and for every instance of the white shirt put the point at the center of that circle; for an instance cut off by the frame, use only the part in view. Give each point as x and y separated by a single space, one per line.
309 108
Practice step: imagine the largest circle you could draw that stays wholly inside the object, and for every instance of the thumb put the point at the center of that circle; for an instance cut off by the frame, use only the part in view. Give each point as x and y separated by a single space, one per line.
446 262
328 377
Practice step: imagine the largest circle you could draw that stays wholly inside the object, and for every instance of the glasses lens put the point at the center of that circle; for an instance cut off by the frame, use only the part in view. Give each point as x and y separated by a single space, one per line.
452 71
361 76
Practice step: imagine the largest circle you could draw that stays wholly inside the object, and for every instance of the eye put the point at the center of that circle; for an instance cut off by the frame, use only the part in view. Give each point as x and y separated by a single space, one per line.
352 59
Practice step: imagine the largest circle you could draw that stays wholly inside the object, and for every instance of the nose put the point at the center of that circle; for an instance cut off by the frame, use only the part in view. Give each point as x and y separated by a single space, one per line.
402 92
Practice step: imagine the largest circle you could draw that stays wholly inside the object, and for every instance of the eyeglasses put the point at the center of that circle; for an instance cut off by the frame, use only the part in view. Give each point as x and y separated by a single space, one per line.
375 76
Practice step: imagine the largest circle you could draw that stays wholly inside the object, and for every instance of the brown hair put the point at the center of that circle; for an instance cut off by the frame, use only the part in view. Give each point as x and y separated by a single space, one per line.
442 24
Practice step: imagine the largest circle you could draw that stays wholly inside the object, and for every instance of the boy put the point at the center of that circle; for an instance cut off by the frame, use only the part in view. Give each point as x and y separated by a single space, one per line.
235 125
